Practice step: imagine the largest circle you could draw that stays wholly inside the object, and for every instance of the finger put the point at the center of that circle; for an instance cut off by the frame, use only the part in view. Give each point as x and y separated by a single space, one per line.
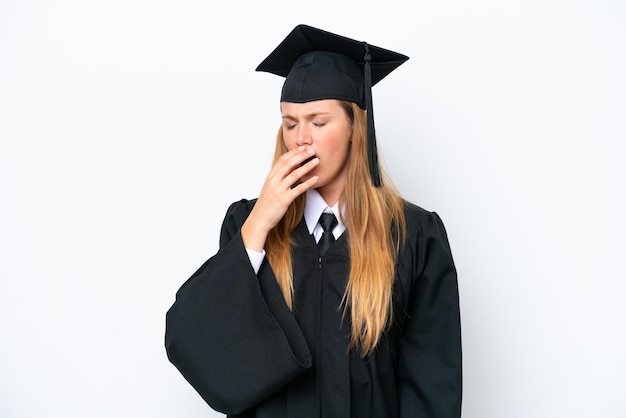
283 159
299 172
300 188
291 160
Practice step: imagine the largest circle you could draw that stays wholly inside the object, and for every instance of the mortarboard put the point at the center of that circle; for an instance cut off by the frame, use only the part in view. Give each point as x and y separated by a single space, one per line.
321 65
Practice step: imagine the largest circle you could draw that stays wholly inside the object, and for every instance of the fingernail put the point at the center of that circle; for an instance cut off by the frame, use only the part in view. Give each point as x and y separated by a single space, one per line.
301 148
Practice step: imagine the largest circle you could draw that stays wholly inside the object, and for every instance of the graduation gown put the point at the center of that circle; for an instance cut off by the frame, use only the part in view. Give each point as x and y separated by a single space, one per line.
232 336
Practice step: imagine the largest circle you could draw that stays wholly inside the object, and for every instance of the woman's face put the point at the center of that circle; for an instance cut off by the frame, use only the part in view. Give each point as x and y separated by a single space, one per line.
324 127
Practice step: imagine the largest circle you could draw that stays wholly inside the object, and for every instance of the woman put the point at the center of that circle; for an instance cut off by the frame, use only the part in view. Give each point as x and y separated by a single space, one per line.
330 295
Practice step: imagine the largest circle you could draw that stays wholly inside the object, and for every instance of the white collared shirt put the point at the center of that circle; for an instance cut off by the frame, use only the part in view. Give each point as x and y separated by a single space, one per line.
313 209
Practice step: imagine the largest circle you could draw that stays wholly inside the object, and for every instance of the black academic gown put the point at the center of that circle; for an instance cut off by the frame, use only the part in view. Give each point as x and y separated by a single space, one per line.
232 336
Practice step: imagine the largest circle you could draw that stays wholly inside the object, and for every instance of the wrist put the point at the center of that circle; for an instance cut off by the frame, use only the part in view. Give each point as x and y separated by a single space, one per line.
254 234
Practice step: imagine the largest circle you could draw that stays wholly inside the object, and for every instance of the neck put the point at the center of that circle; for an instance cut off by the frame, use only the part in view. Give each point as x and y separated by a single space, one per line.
331 195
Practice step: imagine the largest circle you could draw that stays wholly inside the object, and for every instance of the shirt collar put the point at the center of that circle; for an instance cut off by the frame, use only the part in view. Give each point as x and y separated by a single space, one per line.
315 205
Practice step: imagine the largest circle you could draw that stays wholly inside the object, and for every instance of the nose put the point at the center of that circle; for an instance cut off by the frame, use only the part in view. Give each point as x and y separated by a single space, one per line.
303 136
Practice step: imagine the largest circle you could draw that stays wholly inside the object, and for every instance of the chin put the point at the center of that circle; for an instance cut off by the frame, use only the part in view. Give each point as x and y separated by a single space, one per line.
320 184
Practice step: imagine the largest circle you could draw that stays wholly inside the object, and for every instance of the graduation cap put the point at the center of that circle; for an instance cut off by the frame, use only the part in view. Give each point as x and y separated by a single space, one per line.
322 65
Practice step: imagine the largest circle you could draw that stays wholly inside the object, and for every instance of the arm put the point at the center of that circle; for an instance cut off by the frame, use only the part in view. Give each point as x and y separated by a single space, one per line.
429 367
229 332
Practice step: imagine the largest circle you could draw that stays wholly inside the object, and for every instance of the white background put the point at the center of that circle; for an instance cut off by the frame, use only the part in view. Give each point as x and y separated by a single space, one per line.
127 127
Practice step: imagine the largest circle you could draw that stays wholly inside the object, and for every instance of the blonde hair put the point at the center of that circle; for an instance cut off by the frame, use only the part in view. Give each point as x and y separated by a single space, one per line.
374 219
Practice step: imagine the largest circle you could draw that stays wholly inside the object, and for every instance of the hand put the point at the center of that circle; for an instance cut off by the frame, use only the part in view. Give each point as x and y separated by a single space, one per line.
280 189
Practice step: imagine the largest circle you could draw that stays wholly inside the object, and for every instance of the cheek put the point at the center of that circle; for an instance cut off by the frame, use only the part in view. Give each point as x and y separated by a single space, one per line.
289 141
343 147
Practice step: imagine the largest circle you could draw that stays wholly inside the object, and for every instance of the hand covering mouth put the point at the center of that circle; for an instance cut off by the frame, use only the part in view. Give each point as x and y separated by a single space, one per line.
307 160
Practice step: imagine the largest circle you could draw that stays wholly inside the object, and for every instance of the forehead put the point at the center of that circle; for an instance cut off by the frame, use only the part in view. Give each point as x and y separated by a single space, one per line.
308 108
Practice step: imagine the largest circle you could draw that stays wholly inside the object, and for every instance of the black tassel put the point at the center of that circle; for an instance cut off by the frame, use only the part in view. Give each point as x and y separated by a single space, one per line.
372 153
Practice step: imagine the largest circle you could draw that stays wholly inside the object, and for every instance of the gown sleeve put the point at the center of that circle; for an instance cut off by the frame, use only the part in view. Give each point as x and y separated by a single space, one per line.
429 366
230 332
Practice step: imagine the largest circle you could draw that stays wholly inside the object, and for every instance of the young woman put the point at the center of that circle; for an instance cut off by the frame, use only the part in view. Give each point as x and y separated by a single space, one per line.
330 296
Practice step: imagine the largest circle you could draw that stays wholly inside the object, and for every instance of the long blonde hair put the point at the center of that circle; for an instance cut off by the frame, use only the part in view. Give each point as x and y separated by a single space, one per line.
374 219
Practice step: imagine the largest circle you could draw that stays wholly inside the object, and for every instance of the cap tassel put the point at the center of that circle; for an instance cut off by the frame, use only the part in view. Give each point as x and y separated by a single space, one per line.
372 153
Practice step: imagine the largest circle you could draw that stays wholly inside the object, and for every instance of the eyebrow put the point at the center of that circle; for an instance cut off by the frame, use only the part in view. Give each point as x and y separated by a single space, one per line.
307 116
